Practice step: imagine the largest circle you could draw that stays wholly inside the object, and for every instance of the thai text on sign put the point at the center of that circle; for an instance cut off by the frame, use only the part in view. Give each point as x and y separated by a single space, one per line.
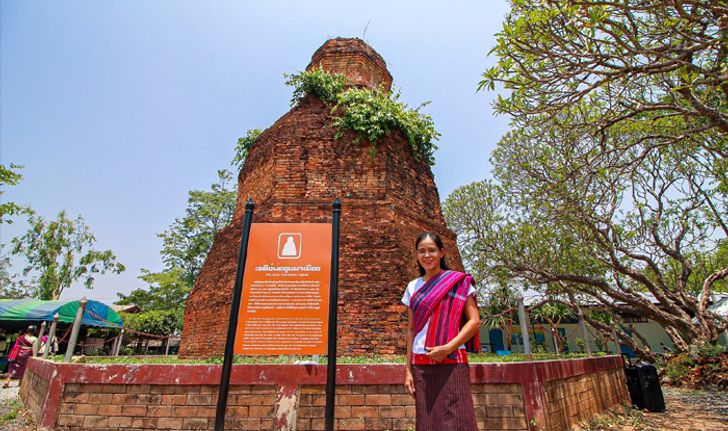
284 306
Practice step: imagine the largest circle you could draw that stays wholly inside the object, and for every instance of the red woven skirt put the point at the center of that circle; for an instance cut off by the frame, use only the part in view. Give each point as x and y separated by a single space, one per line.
443 399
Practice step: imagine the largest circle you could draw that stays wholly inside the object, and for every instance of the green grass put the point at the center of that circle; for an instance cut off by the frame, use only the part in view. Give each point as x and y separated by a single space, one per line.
286 359
11 408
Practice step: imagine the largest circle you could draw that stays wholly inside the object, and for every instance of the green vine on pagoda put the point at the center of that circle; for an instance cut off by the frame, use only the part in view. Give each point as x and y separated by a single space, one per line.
242 149
370 113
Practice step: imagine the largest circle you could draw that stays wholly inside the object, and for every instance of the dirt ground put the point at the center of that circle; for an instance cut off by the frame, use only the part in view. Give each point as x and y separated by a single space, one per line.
686 411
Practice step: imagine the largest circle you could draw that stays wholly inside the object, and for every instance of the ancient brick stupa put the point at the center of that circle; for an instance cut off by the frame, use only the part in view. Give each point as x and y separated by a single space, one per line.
293 173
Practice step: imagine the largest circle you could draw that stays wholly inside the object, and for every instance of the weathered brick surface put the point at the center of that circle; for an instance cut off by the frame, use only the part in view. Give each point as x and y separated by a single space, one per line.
293 173
551 395
354 59
33 390
163 407
576 399
389 407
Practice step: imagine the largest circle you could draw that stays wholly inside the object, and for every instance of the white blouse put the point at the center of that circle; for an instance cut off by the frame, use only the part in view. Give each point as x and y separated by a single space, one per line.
418 345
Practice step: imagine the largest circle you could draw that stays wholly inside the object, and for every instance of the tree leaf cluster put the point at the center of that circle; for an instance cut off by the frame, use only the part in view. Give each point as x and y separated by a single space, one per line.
184 248
242 149
9 176
651 66
60 252
157 322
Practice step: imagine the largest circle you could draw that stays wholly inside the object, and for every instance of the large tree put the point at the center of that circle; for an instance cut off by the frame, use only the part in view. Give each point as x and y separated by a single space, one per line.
60 252
167 291
605 234
185 247
658 65
611 183
188 240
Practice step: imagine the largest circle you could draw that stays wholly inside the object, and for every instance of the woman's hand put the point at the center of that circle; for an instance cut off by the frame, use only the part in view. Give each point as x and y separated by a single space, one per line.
438 353
409 382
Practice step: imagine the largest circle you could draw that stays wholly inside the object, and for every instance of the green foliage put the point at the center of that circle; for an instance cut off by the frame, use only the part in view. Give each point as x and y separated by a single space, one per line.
324 85
10 408
188 239
573 210
551 311
158 322
242 149
497 306
291 359
185 247
11 285
657 68
372 114
9 176
60 252
369 113
168 291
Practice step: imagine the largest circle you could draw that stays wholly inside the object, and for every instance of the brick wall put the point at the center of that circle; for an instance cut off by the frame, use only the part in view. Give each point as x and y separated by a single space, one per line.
576 399
293 173
167 407
389 407
507 396
33 392
499 407
354 59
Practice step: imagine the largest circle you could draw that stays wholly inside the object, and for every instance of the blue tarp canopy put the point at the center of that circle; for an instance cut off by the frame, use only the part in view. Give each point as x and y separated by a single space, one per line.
96 314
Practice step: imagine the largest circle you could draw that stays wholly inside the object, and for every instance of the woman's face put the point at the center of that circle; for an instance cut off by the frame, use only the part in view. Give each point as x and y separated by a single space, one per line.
429 255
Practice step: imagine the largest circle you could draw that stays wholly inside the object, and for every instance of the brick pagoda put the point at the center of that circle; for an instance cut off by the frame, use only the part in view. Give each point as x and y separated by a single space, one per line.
293 173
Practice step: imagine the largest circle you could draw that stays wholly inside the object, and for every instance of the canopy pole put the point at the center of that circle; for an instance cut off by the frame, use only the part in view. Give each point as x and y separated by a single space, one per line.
36 344
119 340
51 335
75 330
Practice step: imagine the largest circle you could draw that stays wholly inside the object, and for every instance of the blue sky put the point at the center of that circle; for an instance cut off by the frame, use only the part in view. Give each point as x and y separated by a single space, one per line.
118 109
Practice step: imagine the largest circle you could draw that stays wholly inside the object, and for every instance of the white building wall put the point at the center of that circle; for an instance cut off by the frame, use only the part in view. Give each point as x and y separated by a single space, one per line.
650 330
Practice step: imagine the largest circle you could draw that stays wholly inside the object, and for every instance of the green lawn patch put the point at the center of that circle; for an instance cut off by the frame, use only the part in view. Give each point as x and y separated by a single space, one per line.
292 359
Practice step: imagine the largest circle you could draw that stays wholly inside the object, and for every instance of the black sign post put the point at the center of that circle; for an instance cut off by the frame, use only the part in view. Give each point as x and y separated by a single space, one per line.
333 305
227 364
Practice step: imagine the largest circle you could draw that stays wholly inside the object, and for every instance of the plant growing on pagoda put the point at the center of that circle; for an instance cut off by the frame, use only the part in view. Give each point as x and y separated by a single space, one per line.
369 113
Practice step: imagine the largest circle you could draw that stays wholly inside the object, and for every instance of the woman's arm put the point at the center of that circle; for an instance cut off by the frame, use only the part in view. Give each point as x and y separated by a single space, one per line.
409 381
438 353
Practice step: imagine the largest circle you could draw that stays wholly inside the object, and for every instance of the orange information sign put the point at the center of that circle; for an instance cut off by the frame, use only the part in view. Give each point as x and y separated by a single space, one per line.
285 301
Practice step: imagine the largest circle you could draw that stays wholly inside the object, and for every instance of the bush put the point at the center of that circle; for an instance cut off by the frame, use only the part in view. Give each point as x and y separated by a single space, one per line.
704 366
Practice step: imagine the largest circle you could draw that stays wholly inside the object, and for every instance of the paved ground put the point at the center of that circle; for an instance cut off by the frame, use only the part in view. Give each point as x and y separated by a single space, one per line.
686 411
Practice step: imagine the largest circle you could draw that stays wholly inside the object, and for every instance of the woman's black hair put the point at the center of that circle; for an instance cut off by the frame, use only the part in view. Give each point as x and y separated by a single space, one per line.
438 242
32 330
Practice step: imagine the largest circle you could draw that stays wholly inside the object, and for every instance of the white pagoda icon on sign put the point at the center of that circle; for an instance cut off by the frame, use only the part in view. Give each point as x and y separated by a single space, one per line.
289 246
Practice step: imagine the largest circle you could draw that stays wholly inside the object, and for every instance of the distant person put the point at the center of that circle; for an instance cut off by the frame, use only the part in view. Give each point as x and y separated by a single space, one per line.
665 348
21 351
442 317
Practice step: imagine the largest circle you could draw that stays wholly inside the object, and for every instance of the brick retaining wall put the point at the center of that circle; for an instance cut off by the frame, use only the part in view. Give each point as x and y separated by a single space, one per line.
549 395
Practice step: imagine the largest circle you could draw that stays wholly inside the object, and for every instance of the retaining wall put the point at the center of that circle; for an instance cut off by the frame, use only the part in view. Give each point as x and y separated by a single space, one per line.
548 395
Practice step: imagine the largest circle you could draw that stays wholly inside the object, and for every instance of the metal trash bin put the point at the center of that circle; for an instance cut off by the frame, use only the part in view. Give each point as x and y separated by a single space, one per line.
644 388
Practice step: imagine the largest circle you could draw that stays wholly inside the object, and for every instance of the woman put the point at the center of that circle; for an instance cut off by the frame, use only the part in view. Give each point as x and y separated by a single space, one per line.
442 319
18 358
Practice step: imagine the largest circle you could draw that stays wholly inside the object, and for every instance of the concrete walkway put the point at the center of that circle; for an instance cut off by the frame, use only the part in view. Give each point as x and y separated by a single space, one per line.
11 392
